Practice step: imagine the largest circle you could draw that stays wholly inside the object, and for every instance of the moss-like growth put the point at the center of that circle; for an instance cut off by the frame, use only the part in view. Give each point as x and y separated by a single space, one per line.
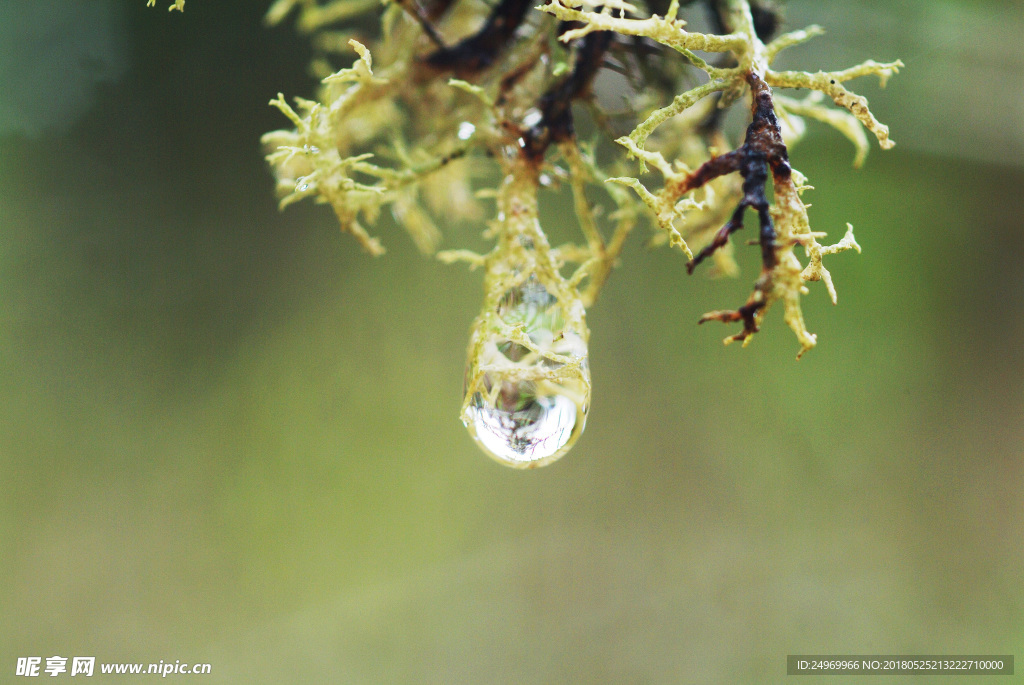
457 91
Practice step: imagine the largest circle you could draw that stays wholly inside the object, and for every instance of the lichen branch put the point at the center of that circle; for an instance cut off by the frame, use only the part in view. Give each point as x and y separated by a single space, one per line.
504 94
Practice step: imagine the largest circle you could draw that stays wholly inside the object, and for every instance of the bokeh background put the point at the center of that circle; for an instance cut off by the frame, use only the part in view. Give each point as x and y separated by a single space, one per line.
229 436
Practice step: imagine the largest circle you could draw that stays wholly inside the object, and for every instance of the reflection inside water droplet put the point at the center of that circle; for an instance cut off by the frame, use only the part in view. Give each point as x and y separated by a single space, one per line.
532 435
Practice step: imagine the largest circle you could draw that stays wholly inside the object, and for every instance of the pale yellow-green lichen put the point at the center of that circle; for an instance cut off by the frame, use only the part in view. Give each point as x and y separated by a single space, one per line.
314 159
450 100
841 120
371 109
671 204
175 5
402 136
830 83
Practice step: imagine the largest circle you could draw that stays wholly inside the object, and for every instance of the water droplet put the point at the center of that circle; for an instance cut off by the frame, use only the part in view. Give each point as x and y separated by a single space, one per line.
531 409
532 117
466 130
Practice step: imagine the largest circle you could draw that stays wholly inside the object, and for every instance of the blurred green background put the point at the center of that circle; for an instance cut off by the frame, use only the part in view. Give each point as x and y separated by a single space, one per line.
229 436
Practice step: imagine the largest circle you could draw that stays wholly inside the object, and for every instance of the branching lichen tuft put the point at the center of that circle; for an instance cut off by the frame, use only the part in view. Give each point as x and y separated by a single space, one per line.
783 226
465 102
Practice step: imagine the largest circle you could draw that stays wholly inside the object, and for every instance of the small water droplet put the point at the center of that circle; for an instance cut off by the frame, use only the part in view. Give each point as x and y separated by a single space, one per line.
529 414
466 130
532 117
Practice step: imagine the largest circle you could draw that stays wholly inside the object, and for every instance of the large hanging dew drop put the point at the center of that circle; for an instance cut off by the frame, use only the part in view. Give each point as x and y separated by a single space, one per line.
531 405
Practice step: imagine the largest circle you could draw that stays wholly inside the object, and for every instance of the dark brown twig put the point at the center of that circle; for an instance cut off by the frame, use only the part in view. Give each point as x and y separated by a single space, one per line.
555 104
762 149
479 51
